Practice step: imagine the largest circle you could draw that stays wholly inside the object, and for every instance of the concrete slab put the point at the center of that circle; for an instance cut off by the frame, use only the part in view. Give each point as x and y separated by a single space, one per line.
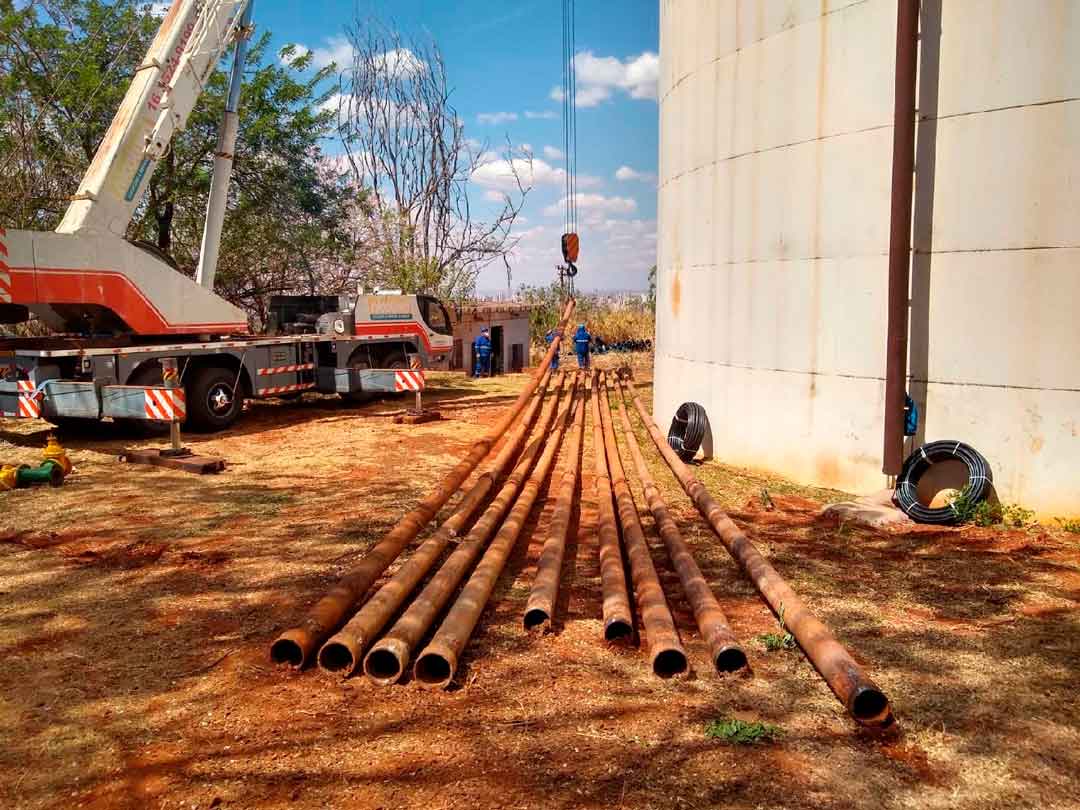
875 511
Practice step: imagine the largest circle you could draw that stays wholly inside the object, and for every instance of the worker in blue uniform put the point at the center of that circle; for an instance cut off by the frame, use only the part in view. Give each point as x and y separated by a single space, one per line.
482 346
582 341
548 338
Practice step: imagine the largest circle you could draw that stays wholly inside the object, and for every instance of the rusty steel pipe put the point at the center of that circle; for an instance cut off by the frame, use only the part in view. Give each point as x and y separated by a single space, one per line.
860 695
724 649
618 620
545 588
666 654
344 652
437 663
385 663
899 280
295 646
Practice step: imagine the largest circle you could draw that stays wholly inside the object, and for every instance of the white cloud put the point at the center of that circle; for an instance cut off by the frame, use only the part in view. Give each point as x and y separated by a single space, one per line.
400 62
625 174
332 104
156 9
494 196
599 76
526 148
336 51
293 53
498 173
552 153
595 206
545 114
496 118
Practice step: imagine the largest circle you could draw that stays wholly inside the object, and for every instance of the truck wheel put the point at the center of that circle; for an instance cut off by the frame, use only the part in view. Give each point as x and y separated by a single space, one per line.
395 360
358 360
213 403
148 374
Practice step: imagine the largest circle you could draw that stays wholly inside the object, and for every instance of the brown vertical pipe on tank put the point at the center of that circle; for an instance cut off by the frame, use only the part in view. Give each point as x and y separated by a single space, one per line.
436 665
386 661
666 653
541 602
344 652
724 649
860 695
903 173
295 646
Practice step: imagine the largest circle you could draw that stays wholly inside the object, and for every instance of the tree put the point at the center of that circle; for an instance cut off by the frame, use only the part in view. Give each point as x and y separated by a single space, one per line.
652 289
64 68
406 144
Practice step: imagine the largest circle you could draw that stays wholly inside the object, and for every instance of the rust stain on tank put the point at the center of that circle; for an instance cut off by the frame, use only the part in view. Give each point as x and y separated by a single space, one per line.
676 294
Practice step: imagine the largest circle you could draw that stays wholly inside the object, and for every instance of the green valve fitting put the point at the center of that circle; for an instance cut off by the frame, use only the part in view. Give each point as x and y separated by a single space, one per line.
50 472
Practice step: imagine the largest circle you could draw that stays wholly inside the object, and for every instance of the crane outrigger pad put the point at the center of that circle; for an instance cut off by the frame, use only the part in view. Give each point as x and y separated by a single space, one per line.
200 465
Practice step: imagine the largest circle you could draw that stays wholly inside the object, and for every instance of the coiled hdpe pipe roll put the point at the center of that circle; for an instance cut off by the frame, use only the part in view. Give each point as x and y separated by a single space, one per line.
919 463
687 430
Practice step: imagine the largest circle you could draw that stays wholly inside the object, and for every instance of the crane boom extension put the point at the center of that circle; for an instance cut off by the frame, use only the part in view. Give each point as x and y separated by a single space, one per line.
188 46
86 278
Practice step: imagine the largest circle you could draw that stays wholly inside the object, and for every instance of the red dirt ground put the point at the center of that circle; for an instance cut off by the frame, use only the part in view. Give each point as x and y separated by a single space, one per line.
137 606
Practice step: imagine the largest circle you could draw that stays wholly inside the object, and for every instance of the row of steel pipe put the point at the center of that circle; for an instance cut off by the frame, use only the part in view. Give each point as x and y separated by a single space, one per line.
618 621
344 652
385 663
724 649
862 698
437 663
666 654
545 587
296 645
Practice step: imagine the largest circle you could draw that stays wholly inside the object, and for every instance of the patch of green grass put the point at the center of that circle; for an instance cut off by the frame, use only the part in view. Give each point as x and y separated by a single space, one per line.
777 641
987 513
1071 525
740 732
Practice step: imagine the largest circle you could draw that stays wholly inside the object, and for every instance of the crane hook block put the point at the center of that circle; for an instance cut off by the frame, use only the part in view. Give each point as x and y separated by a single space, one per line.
570 246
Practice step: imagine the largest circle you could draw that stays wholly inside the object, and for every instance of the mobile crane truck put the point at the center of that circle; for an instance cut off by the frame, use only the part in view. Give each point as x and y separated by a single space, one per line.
118 310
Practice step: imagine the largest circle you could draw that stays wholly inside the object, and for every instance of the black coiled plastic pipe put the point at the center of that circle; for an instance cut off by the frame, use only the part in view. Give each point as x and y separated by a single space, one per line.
980 479
687 430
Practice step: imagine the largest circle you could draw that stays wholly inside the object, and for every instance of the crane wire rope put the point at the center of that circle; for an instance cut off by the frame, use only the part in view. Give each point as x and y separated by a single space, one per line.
569 99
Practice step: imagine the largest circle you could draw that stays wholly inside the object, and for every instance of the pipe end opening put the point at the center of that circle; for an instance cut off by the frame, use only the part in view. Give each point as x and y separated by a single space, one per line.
382 666
336 658
618 630
669 663
731 659
871 706
432 669
537 620
286 651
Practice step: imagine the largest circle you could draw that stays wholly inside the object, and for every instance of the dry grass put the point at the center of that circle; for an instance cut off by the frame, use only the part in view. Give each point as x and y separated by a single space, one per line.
137 606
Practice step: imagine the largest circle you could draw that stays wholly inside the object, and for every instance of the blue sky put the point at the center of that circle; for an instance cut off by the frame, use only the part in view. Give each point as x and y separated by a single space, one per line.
504 61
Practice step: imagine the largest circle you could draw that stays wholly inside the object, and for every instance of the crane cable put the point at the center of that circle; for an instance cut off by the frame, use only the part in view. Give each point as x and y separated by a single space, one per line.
569 99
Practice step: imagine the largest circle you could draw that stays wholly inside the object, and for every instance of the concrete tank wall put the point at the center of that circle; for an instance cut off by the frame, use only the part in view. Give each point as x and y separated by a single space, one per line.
775 151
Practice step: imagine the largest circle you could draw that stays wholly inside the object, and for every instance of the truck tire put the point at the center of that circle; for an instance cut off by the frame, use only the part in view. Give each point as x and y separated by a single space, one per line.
147 374
395 360
358 360
214 401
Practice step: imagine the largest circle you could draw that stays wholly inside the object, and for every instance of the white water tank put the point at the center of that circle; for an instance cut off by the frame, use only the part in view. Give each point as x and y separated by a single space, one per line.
775 159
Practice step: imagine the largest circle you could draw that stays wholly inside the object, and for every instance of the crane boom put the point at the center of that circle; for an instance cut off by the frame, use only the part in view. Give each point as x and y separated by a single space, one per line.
187 48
